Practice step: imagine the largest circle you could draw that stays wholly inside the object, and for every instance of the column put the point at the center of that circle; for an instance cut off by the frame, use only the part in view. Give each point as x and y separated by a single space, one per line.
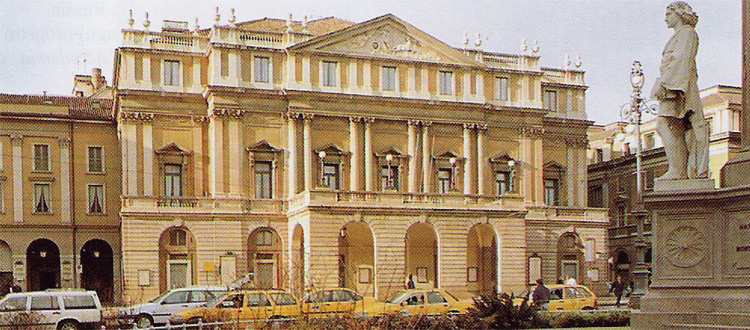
216 153
481 163
197 133
130 136
412 151
148 158
571 173
538 167
292 147
235 153
468 172
369 179
582 175
17 142
65 202
354 169
307 153
426 158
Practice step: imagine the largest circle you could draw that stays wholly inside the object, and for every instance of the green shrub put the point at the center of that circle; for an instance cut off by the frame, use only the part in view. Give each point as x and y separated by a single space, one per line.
498 312
582 319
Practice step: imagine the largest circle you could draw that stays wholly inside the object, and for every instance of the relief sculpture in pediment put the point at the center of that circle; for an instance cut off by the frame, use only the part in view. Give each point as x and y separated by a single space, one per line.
385 42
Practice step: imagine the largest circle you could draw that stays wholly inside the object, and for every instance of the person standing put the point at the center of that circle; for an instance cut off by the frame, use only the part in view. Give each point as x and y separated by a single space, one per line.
680 121
618 286
541 295
410 283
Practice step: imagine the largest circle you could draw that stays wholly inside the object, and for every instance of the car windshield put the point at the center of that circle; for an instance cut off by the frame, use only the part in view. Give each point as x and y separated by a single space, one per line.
451 295
160 296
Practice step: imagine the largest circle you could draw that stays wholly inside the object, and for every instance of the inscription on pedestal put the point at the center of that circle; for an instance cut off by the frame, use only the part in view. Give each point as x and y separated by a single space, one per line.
739 246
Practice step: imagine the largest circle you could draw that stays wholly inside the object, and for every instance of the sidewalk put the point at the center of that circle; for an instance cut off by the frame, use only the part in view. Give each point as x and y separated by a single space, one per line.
609 301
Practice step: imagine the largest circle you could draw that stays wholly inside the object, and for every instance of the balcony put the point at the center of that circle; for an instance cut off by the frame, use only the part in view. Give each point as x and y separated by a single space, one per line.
201 205
329 198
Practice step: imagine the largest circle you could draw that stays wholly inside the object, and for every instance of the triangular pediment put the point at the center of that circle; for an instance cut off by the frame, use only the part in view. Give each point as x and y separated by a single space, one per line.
172 149
553 166
331 150
447 155
387 37
501 159
262 146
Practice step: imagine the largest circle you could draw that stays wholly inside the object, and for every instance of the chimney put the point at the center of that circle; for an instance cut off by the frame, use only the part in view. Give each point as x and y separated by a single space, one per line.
96 78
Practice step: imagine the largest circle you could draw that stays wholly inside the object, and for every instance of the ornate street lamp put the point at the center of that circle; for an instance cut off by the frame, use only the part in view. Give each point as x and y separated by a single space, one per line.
389 159
322 155
633 112
453 161
511 179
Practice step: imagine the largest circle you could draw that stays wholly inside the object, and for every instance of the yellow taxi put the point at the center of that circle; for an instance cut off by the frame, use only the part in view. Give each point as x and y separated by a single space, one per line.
331 302
565 298
243 306
420 302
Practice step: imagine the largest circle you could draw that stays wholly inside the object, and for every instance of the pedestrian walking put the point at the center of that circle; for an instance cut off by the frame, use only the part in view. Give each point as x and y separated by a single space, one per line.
618 286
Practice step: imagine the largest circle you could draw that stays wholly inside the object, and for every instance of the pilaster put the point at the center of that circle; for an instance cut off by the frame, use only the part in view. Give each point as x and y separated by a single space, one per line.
354 174
468 160
369 179
216 154
307 141
17 142
412 146
292 147
481 162
235 153
65 202
148 158
198 166
426 158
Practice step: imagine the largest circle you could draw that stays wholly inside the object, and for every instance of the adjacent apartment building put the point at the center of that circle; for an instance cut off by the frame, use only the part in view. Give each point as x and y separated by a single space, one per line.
612 174
327 153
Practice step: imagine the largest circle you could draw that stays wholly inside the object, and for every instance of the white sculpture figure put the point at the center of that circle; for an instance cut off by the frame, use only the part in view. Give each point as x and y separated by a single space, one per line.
681 125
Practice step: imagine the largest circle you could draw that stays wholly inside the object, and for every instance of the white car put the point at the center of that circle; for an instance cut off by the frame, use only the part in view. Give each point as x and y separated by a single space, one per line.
160 309
56 308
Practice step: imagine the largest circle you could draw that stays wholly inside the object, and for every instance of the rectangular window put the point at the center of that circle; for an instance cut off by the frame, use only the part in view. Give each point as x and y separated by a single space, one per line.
329 74
622 216
446 83
41 157
501 88
42 303
551 192
331 176
445 180
96 199
262 69
96 157
389 178
42 198
173 180
171 73
263 180
550 100
389 78
502 182
79 302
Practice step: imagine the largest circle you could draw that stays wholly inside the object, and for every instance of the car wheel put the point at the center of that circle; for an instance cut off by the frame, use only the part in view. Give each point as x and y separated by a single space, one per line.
68 325
144 321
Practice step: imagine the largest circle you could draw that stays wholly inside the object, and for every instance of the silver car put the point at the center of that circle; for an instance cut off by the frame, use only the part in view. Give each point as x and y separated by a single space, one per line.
61 309
160 309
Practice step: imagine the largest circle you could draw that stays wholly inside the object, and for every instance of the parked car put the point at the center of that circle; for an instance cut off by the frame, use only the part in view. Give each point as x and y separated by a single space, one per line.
244 306
160 309
420 302
330 302
60 309
566 298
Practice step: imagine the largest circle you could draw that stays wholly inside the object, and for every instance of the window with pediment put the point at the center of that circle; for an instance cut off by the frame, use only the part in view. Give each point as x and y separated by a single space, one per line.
264 162
505 169
553 175
331 166
447 166
173 163
390 163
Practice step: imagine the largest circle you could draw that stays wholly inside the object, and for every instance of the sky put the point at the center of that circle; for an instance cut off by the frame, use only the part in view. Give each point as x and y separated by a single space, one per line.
44 43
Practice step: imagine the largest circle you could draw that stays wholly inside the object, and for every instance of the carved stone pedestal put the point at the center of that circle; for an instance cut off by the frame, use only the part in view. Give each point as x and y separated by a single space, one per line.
683 185
701 250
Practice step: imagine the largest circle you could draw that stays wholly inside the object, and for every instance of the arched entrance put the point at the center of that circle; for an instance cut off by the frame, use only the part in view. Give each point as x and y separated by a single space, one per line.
177 256
264 258
481 260
298 260
357 258
622 265
6 268
421 255
42 265
569 256
97 264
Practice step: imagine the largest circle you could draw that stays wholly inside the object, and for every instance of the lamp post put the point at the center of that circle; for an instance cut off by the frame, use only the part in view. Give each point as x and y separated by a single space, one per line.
511 179
453 161
633 112
389 159
322 156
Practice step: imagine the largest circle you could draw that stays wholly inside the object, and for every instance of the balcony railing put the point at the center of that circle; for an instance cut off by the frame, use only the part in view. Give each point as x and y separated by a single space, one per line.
201 205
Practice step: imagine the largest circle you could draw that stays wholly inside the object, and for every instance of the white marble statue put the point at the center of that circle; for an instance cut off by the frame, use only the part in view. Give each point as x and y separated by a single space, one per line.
681 125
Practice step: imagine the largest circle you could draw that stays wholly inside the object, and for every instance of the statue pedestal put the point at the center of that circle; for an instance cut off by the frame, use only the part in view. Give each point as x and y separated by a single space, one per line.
683 185
701 260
